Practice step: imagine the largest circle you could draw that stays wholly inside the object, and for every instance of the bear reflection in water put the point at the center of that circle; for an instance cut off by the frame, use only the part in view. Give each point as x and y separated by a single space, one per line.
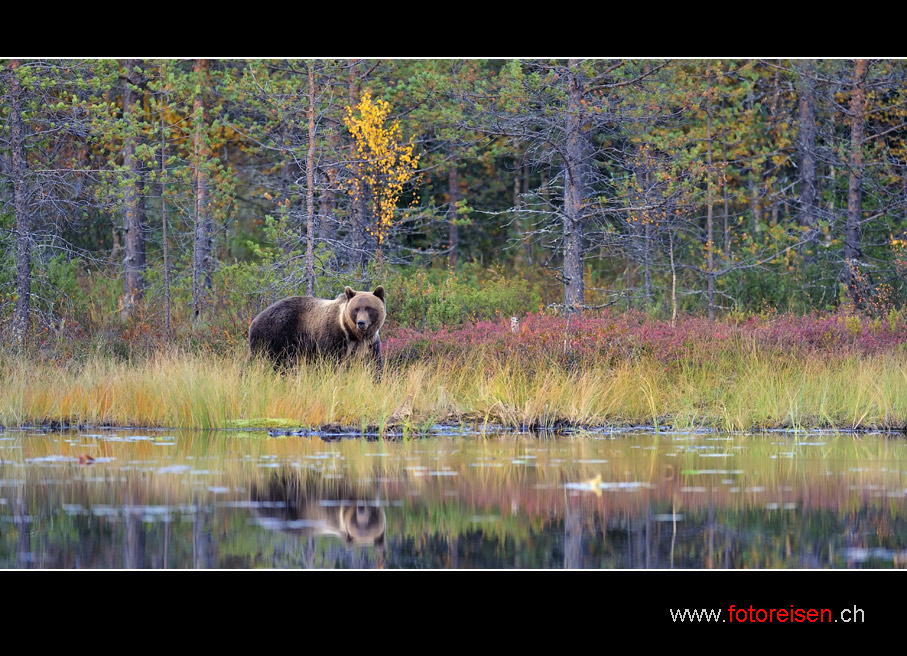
312 508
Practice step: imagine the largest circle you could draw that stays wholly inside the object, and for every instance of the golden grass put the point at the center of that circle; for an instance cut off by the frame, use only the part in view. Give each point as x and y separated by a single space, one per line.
735 390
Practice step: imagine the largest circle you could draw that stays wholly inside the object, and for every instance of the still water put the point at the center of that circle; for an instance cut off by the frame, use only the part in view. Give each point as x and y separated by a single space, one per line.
176 499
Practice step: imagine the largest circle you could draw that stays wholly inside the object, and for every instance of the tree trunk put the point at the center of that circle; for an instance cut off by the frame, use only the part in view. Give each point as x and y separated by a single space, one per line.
20 207
23 525
164 241
709 226
806 144
310 190
673 280
358 210
724 192
134 539
454 197
573 189
201 253
327 200
520 191
327 223
628 281
291 237
833 176
855 190
756 199
573 536
647 250
134 215
517 221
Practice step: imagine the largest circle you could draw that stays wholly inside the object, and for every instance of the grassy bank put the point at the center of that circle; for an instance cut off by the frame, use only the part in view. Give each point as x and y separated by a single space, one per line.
740 386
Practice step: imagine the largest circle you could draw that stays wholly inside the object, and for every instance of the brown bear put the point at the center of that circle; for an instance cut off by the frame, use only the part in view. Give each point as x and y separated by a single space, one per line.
306 327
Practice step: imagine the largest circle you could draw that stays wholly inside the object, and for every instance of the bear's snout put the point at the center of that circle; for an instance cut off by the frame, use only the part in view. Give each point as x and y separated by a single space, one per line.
363 320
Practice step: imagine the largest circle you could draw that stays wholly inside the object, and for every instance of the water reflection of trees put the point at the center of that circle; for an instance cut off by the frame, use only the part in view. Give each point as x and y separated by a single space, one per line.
842 509
209 536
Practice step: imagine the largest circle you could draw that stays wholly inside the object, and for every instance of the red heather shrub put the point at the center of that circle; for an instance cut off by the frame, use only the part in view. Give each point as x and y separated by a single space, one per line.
610 335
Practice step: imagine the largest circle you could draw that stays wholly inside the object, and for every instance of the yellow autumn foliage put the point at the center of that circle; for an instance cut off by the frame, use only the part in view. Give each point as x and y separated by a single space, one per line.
385 164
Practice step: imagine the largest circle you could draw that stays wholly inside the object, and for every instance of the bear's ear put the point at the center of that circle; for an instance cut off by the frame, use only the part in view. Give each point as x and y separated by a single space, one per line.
379 292
349 292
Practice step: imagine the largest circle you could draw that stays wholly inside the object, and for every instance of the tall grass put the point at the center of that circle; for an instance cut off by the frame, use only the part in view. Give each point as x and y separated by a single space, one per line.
737 388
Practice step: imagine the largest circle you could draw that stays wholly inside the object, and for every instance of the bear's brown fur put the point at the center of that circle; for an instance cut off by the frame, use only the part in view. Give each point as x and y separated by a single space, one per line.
305 327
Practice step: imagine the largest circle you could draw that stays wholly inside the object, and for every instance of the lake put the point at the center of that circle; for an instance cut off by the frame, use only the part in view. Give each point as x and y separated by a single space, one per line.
114 498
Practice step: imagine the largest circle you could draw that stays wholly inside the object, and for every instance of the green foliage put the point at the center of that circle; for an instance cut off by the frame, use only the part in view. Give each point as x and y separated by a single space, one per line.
437 296
244 125
267 271
60 284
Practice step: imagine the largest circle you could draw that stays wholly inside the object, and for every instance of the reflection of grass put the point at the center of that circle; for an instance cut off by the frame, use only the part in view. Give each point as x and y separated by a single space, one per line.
828 471
736 389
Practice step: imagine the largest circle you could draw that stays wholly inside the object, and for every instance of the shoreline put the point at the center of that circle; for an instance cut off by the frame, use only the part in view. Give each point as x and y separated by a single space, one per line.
334 432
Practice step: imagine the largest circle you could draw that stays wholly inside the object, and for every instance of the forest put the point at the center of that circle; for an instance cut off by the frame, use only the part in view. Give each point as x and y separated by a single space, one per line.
639 313
148 201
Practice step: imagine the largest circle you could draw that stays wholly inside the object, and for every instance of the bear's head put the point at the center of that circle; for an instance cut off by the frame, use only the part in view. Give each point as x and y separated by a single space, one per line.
365 312
363 523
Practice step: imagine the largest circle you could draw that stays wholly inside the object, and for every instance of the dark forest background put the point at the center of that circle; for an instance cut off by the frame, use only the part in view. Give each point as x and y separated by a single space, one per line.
151 201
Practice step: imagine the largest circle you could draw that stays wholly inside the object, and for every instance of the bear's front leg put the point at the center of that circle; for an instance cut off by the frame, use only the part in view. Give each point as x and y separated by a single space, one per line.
377 357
